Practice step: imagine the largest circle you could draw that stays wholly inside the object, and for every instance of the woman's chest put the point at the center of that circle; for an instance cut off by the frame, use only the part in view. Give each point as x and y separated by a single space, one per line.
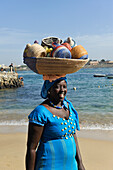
57 127
61 113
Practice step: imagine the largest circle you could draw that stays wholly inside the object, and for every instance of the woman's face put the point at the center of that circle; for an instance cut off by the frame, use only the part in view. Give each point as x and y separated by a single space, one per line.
58 91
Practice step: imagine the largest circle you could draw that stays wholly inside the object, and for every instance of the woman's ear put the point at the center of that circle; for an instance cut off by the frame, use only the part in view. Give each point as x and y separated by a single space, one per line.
48 92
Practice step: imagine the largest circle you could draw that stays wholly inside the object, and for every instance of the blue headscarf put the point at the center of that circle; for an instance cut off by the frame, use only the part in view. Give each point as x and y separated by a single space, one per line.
44 92
47 85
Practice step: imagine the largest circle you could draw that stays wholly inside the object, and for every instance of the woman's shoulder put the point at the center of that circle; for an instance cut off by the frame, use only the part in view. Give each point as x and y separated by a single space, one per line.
40 109
39 115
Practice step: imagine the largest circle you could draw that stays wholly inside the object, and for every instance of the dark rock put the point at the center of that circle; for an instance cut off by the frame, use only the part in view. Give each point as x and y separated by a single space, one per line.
10 80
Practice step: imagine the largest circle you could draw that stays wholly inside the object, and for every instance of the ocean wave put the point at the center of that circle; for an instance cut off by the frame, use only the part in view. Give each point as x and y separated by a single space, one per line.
84 127
14 123
98 127
26 73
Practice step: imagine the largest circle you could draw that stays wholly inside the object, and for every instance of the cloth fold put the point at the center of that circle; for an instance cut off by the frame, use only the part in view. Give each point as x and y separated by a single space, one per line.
75 112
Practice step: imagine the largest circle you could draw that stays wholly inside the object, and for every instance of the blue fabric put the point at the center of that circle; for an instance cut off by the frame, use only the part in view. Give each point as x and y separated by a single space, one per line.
75 112
47 85
58 154
57 148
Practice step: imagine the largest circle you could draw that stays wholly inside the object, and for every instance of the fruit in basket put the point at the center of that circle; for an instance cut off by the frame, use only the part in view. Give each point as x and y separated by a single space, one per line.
79 52
34 50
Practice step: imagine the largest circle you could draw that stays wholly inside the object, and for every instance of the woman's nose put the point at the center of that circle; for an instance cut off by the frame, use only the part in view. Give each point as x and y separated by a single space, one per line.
61 88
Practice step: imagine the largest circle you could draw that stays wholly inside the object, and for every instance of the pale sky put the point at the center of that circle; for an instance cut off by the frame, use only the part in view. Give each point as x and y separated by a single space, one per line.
89 23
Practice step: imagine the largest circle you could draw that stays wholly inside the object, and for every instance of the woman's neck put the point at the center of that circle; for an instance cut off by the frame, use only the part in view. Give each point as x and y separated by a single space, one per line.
56 103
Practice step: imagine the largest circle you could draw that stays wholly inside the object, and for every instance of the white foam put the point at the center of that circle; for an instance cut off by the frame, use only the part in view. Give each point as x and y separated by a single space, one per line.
14 123
98 127
84 127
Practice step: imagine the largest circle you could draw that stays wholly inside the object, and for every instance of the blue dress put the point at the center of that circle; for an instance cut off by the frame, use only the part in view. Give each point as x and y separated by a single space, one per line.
57 148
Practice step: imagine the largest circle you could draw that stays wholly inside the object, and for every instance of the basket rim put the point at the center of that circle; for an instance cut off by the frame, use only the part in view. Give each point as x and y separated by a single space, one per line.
58 59
42 65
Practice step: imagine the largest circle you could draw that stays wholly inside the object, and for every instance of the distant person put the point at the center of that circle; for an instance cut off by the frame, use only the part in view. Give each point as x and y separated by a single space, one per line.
22 80
4 70
1 69
11 67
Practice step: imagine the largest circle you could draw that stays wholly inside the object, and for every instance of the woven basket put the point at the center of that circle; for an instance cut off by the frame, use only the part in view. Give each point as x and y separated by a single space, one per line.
34 50
54 66
49 40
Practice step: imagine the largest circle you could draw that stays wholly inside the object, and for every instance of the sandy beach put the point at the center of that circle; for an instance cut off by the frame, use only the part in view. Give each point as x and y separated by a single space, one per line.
97 153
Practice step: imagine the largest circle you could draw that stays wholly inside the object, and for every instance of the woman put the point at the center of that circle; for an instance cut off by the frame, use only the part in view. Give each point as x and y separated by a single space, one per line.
52 131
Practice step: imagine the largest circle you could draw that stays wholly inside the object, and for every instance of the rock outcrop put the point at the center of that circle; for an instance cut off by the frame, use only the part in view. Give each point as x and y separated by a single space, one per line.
10 80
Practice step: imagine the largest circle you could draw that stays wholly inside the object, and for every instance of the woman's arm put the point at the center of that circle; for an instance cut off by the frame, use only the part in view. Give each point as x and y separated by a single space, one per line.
34 135
78 155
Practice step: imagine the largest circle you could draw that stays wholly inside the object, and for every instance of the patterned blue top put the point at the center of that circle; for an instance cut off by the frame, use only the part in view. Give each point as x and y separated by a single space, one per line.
57 148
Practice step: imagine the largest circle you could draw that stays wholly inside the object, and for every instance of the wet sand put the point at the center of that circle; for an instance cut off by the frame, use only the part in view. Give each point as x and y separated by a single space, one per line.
97 153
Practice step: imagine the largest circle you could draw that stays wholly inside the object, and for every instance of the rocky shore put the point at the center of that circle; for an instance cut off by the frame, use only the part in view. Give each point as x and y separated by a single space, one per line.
10 80
99 66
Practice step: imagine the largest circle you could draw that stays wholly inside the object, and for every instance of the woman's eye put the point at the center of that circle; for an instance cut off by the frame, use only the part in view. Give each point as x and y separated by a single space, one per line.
57 87
64 87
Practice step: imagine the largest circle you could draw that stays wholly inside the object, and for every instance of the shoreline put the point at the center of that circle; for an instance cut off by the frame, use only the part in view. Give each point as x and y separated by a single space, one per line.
96 134
96 153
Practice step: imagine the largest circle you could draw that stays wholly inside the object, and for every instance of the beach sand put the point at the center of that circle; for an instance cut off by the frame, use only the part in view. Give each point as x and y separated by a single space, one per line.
97 154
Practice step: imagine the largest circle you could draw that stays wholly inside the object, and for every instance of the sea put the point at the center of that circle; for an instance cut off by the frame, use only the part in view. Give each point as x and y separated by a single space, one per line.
91 96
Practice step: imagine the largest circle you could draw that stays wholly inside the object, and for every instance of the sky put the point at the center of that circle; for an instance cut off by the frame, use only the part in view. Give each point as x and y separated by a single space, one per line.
89 23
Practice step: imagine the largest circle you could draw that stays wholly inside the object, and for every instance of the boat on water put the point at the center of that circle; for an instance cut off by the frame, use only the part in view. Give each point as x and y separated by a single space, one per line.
109 76
99 75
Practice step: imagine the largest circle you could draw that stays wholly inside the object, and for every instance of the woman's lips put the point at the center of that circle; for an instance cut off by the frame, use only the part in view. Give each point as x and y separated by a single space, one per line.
61 95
